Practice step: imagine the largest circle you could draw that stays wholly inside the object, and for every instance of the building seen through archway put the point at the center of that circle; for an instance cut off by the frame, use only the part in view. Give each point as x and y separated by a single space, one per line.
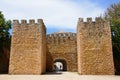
60 65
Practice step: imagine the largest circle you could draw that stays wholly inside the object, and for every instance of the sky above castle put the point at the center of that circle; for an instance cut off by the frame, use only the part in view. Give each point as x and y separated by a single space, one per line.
57 14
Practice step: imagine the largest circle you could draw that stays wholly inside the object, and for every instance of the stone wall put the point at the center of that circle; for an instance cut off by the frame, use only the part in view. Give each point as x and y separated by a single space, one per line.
62 46
28 47
94 47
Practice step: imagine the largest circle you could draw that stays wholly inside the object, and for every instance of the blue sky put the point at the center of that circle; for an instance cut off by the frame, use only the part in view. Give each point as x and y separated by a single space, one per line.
57 14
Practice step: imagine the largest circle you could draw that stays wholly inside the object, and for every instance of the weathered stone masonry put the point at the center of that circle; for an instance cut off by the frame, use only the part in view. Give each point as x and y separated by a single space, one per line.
94 47
28 48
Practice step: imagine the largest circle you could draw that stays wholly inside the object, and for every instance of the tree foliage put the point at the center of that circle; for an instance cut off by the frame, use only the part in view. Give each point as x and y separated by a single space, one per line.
5 26
113 13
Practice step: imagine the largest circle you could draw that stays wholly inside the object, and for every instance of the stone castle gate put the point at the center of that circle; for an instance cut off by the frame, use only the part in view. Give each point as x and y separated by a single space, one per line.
90 52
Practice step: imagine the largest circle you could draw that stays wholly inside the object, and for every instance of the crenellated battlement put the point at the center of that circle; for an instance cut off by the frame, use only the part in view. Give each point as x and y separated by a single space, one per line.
93 23
93 27
61 37
30 22
28 25
90 20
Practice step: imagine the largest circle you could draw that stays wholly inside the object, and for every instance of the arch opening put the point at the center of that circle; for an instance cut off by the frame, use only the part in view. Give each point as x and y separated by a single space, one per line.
60 65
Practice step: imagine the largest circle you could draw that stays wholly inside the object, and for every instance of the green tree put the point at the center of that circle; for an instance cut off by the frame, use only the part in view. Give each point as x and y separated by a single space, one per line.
113 13
5 26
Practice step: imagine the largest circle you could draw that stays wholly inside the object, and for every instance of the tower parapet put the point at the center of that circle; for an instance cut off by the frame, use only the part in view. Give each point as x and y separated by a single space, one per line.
30 22
94 47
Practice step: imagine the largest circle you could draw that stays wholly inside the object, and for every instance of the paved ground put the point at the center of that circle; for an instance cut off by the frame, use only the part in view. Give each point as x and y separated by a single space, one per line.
59 76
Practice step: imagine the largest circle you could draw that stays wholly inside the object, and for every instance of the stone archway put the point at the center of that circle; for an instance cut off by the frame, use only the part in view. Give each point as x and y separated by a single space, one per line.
60 65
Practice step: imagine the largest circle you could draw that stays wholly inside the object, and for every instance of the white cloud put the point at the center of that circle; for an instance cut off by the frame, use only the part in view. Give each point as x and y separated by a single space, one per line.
61 13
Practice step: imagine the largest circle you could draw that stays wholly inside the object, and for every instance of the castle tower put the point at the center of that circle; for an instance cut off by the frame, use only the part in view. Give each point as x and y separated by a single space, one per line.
94 47
28 47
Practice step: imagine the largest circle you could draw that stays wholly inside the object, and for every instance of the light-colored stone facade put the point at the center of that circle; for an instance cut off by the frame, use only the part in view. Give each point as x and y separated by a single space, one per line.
94 47
28 47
